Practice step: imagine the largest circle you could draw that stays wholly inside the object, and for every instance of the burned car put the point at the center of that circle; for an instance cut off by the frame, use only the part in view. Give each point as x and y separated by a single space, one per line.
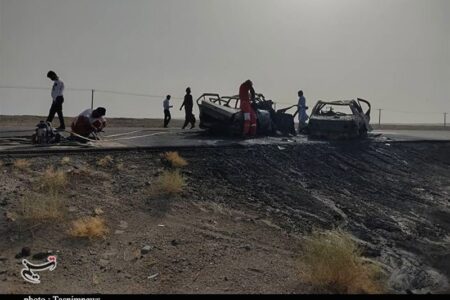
222 115
340 119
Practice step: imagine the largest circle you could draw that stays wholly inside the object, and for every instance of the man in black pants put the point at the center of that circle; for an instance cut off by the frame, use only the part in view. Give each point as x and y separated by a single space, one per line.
58 100
188 105
167 107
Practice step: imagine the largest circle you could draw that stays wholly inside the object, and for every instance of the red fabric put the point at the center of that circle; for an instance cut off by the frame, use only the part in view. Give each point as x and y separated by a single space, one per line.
250 126
244 92
82 126
99 125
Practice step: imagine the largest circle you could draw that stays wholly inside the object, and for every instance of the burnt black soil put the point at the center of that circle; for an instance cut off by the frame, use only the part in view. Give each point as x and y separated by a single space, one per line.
247 209
395 198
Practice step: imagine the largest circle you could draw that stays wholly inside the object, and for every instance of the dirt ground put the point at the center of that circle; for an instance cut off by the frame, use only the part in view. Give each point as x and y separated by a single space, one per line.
239 224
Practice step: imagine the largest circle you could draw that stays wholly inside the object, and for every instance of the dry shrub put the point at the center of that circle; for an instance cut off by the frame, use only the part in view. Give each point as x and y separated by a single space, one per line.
10 216
22 164
36 208
52 181
89 227
85 175
83 171
120 166
105 162
169 183
175 160
81 174
332 263
65 161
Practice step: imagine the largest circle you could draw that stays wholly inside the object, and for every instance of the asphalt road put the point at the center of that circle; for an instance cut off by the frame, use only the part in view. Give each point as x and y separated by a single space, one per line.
13 139
416 134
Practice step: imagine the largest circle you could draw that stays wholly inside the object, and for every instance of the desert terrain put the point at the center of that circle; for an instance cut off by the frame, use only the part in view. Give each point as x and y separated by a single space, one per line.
238 221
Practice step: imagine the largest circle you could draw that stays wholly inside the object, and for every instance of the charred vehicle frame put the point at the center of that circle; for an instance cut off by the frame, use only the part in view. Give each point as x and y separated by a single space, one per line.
332 124
223 115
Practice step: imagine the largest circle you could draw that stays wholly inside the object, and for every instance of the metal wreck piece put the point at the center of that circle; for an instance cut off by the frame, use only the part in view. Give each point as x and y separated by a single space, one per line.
223 115
340 119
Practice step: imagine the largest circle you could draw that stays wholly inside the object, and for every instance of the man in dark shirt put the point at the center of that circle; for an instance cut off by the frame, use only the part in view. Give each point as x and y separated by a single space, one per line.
188 105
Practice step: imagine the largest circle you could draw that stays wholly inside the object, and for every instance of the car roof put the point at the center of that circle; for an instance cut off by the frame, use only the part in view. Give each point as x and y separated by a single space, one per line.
340 102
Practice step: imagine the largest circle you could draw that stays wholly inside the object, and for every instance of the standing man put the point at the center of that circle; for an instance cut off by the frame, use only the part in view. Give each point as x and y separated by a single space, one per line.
58 100
188 105
167 115
246 95
302 115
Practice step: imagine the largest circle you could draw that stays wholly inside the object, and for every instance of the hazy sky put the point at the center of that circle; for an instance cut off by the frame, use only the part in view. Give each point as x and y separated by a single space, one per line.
395 53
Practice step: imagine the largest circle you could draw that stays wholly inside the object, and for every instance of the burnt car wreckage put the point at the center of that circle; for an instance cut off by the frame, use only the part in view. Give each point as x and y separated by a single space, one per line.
222 115
327 122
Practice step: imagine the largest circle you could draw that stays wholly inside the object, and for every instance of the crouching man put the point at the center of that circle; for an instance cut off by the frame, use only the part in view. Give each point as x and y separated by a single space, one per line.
89 122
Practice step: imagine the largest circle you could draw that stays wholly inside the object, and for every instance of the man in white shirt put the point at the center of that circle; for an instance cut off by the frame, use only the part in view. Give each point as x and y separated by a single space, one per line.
167 115
302 114
57 100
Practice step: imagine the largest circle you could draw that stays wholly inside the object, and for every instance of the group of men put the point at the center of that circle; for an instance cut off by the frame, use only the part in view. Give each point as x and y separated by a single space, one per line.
188 105
92 121
246 96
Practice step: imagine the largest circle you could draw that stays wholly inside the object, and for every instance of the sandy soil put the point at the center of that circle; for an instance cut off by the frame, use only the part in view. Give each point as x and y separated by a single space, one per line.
238 226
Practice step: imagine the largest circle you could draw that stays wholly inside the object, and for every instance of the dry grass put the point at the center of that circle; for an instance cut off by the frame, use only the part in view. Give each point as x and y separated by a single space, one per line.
105 162
52 181
65 161
85 175
175 160
169 183
83 171
22 164
89 227
332 263
10 216
37 208
120 167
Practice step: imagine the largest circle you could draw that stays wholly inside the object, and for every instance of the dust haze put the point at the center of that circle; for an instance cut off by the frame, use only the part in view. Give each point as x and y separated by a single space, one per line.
395 53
